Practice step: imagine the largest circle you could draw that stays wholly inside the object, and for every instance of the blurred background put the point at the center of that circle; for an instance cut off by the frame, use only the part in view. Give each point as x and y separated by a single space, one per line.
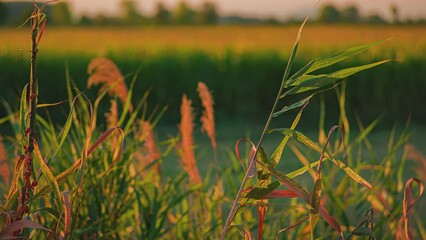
239 48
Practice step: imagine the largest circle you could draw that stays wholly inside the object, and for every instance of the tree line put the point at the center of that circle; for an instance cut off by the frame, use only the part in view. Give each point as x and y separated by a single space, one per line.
12 13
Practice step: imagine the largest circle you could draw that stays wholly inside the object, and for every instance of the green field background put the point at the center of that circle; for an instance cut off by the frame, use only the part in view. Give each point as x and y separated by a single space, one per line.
242 66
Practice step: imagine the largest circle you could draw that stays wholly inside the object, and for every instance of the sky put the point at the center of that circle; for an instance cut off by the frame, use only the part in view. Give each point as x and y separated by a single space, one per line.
281 9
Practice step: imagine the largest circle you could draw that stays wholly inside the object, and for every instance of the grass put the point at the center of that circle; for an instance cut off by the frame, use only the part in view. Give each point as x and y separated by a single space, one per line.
100 173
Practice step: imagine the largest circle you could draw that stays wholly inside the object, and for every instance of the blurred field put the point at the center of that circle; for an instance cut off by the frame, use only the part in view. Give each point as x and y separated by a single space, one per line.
408 40
243 65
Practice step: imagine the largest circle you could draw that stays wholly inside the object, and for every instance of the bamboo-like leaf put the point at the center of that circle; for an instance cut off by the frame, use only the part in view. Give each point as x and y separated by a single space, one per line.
259 192
311 82
51 180
319 63
60 178
43 105
302 194
280 194
65 130
13 189
363 232
293 106
23 111
351 173
293 53
63 175
8 230
276 155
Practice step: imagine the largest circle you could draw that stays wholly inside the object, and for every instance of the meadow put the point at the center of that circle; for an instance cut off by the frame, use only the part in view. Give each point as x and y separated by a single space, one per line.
112 162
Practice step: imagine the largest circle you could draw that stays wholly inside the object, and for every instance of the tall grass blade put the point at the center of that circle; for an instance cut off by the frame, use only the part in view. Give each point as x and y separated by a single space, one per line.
50 178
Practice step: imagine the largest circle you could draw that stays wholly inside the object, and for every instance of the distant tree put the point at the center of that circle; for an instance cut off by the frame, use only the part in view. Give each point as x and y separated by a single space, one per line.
183 14
272 21
329 14
207 14
351 15
60 13
395 14
85 20
130 12
3 12
162 15
375 19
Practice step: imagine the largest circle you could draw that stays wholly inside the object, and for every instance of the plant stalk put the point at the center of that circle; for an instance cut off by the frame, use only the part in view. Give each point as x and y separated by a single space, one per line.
30 132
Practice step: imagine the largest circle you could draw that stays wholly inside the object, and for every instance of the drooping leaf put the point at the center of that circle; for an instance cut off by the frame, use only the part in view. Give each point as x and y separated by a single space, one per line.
302 194
403 231
351 173
8 230
253 170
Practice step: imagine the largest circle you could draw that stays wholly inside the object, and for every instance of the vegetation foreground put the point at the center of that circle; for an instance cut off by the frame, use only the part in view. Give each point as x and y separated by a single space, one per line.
81 181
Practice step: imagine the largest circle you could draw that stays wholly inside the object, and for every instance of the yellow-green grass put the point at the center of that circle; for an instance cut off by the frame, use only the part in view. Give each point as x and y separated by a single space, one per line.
407 40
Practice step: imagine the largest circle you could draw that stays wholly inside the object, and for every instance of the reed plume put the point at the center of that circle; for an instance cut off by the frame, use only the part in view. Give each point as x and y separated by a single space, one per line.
111 118
4 166
207 119
148 155
186 147
104 71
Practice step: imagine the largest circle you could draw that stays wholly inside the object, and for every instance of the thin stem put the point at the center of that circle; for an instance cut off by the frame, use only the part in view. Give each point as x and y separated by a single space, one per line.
234 208
252 161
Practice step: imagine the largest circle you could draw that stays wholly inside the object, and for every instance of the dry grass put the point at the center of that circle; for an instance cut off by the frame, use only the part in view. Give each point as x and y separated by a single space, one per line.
207 120
408 40
186 146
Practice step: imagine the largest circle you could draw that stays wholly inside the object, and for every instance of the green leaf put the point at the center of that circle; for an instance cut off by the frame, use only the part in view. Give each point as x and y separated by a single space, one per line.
293 54
51 180
311 82
301 193
319 63
293 106
363 232
276 155
259 192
